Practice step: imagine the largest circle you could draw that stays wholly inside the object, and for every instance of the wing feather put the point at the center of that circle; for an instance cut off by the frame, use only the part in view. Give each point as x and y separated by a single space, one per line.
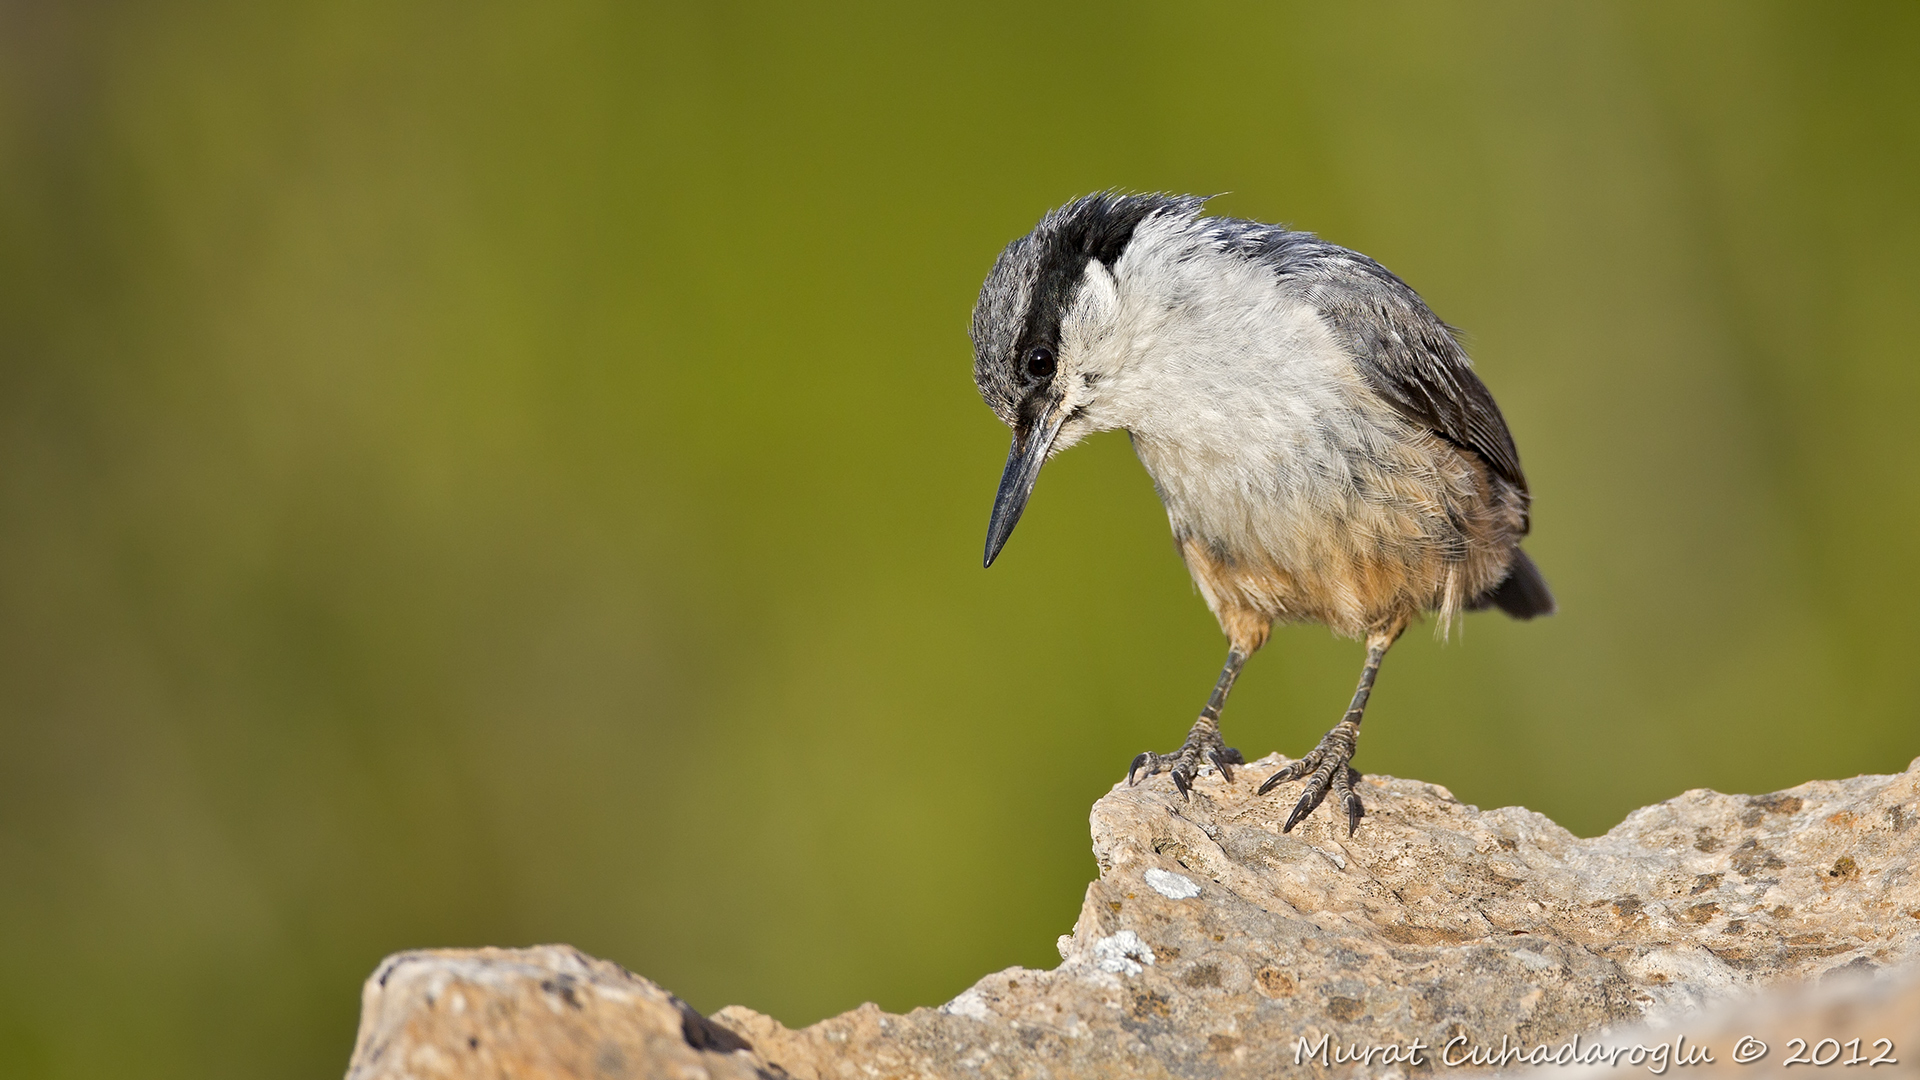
1407 355
1412 360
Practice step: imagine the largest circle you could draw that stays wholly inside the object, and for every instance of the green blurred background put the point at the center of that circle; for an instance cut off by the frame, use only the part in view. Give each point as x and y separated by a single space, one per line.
491 474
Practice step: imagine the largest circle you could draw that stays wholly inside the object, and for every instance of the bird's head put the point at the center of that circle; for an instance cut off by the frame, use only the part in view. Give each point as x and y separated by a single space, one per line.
1043 330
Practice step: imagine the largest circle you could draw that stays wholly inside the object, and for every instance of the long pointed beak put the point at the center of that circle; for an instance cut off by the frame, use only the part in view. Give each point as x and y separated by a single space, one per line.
1029 452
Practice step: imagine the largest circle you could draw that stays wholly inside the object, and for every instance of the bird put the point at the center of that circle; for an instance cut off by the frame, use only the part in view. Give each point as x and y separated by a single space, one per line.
1319 439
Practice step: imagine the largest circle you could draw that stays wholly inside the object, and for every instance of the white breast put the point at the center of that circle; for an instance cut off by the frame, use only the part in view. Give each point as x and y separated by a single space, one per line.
1243 407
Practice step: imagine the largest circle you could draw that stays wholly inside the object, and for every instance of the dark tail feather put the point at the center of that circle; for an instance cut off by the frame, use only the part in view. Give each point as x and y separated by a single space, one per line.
1524 593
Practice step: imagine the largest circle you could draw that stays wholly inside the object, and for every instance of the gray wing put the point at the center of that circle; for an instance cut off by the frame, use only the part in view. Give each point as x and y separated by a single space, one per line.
1407 354
1411 359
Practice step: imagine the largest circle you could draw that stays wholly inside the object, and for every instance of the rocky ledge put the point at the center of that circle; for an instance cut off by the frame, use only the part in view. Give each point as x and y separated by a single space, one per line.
1214 944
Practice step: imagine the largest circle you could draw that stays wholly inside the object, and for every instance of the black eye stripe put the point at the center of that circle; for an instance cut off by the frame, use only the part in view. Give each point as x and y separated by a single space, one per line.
1058 251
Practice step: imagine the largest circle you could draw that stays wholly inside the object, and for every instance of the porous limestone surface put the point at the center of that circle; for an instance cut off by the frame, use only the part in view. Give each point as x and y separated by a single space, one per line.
1212 944
549 1011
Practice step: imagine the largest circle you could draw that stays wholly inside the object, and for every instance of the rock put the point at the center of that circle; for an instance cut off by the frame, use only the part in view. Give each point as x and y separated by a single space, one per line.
543 1012
1841 1020
1213 944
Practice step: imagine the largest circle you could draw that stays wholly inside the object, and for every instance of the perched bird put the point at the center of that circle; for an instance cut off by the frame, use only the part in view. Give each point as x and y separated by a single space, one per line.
1321 443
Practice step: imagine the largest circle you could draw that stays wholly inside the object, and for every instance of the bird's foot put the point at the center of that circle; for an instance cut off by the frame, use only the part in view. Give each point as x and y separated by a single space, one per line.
1325 767
1203 745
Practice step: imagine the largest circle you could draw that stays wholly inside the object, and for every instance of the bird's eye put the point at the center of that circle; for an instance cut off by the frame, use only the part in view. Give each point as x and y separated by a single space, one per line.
1040 362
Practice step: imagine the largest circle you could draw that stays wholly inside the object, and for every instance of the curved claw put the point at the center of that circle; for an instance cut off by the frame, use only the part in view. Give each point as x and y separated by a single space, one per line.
1287 773
1145 759
1220 762
1349 801
1183 784
1301 810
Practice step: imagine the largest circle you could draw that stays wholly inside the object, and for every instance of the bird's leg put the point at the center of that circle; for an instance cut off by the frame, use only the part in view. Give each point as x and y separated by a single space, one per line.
1328 764
1203 741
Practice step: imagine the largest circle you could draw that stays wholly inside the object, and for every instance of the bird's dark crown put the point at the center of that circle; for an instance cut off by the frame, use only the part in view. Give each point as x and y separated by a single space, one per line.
1033 283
